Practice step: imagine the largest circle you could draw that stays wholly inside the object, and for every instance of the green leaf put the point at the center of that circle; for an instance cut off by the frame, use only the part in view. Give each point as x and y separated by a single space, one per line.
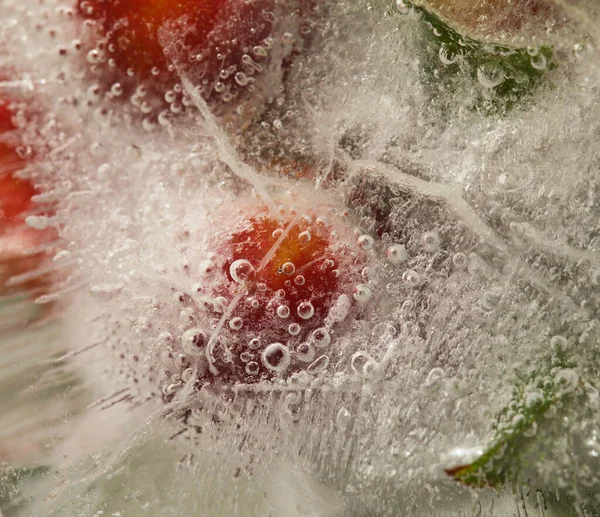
498 76
527 427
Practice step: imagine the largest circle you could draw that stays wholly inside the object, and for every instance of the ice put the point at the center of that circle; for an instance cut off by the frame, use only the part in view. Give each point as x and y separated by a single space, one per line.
480 240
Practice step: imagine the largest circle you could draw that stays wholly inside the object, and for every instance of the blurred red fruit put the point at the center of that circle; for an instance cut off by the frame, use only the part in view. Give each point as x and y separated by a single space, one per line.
15 194
15 204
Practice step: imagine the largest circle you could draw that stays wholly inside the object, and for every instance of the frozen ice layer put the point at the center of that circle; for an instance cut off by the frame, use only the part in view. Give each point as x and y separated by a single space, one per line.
366 284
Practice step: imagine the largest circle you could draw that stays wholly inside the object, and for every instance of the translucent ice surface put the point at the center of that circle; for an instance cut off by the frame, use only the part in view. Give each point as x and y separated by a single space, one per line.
354 270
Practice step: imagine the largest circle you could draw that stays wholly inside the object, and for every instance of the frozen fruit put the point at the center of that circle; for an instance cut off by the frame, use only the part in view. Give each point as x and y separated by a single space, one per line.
221 44
278 284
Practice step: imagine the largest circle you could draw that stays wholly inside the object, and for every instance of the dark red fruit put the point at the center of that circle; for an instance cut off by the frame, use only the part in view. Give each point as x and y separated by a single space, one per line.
284 285
221 44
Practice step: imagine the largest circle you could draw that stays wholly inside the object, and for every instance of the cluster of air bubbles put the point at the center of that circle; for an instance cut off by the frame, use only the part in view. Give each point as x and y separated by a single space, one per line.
363 365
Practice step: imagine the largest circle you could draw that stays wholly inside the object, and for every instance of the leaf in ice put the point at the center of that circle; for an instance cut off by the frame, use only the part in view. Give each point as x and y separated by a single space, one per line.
499 76
543 400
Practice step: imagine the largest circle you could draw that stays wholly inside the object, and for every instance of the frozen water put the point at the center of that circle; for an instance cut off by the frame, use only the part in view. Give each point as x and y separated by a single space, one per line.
479 242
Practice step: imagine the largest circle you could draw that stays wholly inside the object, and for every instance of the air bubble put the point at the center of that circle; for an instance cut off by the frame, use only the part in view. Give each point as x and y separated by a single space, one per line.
283 311
411 278
193 342
566 381
490 78
62 257
539 62
319 365
304 237
294 329
241 79
341 308
531 430
443 55
186 316
534 399
105 292
306 310
435 375
246 357
254 343
288 268
430 241
236 323
321 338
305 352
179 297
402 6
491 298
276 357
116 89
219 304
94 57
241 271
206 268
396 253
460 260
558 342
362 293
299 280
365 242
252 368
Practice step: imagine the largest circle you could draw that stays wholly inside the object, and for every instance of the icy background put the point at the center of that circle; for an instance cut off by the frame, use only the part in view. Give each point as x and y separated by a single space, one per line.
499 217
